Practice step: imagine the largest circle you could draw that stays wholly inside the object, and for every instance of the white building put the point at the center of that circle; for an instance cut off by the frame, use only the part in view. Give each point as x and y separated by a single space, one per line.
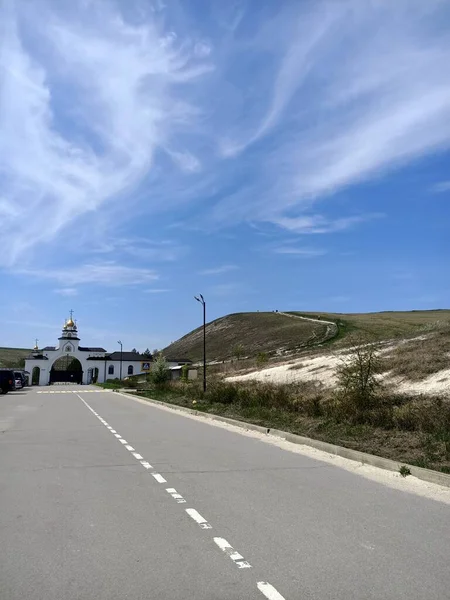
69 362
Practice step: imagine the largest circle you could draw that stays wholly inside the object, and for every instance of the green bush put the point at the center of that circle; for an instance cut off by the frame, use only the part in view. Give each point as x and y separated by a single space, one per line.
160 372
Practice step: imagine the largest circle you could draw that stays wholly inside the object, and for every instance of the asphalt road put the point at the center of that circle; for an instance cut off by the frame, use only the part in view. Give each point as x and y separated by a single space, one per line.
167 507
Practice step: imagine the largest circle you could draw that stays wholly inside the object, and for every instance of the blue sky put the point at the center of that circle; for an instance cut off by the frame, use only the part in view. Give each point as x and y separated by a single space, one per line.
288 155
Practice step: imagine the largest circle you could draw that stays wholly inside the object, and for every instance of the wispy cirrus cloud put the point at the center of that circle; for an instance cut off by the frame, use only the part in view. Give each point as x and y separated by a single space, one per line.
66 291
101 273
263 111
218 270
442 186
299 252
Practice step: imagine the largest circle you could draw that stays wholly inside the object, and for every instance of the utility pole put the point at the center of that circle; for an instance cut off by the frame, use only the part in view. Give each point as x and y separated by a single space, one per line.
200 299
121 355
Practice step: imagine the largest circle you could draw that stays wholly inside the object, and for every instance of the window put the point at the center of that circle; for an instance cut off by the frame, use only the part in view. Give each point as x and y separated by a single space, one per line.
111 370
130 370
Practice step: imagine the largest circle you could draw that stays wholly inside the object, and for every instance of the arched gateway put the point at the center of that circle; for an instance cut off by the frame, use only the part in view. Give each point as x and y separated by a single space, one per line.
66 369
68 362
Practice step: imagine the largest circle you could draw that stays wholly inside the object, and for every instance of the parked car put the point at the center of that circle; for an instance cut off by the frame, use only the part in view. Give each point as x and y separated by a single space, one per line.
18 383
22 376
7 381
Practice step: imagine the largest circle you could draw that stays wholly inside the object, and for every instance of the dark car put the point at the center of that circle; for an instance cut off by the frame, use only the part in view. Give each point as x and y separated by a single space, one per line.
7 381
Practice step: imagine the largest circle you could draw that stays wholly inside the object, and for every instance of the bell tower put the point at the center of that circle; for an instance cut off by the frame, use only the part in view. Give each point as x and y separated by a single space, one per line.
69 340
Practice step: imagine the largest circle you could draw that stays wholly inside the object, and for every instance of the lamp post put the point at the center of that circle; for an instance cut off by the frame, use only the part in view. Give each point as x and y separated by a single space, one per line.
200 299
121 354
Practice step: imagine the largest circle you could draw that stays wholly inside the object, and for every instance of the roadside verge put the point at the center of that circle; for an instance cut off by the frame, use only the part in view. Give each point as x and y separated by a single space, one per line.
363 458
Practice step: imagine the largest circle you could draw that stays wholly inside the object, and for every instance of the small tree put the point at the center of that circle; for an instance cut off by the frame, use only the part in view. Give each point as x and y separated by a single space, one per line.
134 350
238 351
147 353
358 385
160 372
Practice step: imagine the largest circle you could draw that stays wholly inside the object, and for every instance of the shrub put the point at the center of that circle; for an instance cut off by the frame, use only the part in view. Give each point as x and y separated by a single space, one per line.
405 471
261 359
160 373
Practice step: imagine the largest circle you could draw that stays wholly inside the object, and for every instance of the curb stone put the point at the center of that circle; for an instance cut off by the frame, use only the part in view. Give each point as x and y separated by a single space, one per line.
364 458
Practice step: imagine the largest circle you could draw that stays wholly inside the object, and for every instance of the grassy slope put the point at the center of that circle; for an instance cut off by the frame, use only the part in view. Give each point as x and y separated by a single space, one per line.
10 357
257 332
384 325
267 332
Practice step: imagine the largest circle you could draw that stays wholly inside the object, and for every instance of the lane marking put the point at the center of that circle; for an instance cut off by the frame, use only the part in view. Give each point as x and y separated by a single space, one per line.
232 553
113 431
122 441
118 436
138 456
269 591
146 464
198 518
159 478
130 448
178 497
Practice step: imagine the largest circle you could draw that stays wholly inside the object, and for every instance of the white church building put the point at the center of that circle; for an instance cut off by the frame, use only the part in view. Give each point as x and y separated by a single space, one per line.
68 362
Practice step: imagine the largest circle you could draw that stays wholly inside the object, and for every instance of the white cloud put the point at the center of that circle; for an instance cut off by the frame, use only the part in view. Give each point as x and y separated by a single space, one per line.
218 270
300 252
66 291
157 291
86 100
442 186
105 273
135 111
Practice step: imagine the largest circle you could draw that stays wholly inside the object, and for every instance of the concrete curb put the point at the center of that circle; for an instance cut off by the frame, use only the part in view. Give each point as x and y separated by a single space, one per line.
361 457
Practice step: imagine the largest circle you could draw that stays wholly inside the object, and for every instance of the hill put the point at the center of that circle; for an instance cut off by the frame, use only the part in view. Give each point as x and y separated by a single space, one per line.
13 357
282 333
256 332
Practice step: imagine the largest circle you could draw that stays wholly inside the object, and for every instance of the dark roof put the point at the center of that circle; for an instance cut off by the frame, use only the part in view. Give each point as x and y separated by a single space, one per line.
49 348
127 356
82 349
63 337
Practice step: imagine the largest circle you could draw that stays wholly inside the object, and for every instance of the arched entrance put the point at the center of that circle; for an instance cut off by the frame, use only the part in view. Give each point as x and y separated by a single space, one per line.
92 375
35 376
66 369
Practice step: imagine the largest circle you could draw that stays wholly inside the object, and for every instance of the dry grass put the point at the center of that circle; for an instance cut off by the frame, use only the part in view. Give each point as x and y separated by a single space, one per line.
257 332
418 359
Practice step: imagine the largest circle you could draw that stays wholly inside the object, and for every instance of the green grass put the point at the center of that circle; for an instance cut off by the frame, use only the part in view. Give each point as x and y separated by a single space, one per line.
13 357
383 325
276 334
416 432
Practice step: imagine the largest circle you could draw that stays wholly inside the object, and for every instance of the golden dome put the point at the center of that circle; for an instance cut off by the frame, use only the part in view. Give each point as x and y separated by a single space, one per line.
69 323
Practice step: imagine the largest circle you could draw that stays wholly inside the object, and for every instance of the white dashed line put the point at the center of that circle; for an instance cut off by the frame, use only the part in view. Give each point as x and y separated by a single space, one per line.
231 552
263 586
198 518
269 591
178 497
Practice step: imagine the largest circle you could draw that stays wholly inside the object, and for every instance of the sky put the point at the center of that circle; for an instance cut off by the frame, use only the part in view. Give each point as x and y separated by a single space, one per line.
288 155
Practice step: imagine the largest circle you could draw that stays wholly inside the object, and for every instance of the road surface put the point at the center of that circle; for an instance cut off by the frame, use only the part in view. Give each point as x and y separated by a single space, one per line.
105 498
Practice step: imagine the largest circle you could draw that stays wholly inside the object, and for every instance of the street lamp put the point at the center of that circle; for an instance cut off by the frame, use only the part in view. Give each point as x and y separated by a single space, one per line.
121 354
200 299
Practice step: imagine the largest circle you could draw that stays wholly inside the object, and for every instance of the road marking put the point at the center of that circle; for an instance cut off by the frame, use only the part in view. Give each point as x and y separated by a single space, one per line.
138 456
122 441
130 448
178 497
269 591
113 431
198 518
118 436
231 552
159 478
146 464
